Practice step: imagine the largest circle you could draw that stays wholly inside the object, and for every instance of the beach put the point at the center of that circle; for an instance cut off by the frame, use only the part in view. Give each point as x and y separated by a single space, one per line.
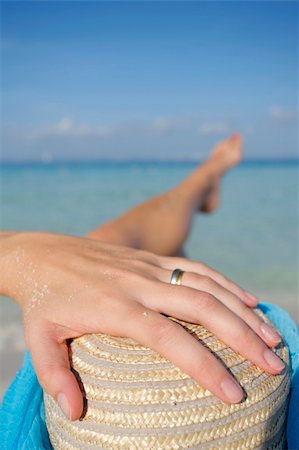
252 238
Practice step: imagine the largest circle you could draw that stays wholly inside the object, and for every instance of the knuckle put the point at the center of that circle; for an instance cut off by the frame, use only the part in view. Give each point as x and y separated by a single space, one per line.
207 366
224 279
204 363
125 271
173 261
147 258
164 333
248 337
207 302
200 265
128 272
206 281
45 375
155 260
142 269
246 313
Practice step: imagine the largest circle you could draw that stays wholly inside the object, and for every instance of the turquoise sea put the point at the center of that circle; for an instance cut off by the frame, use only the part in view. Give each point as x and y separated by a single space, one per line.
253 237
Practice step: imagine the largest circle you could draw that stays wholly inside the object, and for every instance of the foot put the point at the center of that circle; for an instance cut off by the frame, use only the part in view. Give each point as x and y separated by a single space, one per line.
227 154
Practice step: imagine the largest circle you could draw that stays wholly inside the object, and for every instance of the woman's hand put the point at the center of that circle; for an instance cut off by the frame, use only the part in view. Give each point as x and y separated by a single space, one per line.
69 286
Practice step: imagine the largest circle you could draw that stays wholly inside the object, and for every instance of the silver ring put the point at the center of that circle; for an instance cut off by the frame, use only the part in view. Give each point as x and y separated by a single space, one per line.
176 276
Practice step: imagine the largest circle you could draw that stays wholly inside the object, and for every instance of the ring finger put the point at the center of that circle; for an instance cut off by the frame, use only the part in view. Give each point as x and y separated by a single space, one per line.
203 269
232 301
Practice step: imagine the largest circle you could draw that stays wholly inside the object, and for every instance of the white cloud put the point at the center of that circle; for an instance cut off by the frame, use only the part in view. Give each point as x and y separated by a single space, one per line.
67 127
190 124
278 113
213 128
166 137
170 127
166 125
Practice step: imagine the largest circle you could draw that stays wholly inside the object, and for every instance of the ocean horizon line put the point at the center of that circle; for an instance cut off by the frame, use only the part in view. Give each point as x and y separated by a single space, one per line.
135 161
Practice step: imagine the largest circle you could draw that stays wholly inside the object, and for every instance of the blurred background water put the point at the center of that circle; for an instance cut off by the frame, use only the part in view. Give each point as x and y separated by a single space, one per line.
252 238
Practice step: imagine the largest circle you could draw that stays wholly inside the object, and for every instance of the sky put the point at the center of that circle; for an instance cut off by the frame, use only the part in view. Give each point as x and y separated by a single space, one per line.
147 80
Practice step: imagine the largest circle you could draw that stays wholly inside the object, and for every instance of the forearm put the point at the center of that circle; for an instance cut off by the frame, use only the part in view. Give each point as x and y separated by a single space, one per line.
6 248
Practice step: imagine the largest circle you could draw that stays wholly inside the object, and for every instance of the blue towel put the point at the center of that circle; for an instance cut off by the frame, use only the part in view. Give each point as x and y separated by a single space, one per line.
22 420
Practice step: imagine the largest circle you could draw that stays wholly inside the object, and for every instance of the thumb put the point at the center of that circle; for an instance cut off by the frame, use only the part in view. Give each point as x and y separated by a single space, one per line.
51 363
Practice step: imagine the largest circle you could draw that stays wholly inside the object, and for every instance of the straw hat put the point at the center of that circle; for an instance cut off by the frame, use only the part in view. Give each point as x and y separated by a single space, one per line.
137 399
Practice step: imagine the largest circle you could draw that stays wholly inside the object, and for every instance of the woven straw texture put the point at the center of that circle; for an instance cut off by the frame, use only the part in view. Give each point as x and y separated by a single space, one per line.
137 399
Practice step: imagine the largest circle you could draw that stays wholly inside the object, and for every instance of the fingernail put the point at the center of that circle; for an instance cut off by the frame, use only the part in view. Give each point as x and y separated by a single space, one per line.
273 360
251 297
64 404
232 390
269 333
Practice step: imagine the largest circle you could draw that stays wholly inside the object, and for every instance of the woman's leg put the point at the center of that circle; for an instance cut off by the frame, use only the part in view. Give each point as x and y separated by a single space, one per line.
162 224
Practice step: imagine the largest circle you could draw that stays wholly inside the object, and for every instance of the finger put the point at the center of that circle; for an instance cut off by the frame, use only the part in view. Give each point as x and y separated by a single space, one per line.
234 303
51 363
203 269
168 338
203 308
228 298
